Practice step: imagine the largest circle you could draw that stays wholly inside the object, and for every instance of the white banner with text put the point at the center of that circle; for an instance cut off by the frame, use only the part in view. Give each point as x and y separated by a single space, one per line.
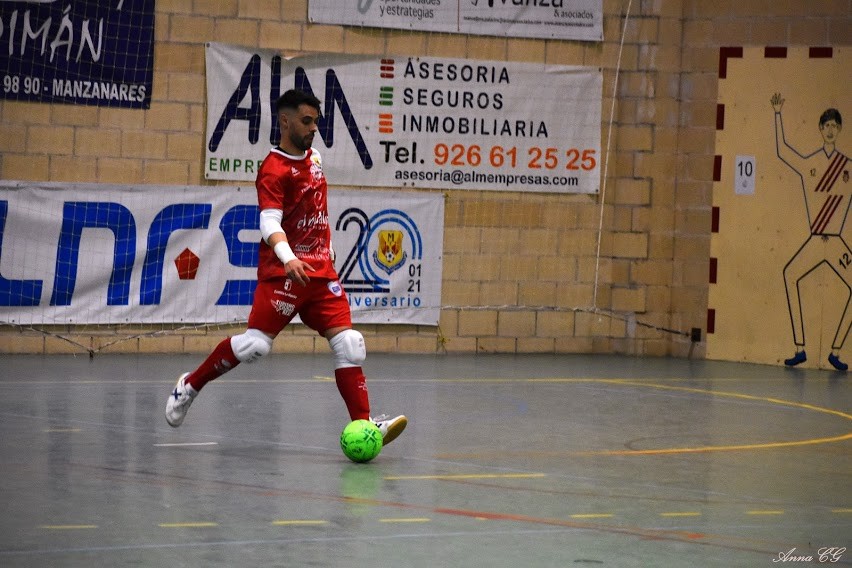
113 254
426 122
545 19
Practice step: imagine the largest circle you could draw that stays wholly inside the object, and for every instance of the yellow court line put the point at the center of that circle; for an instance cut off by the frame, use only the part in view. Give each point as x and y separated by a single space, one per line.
67 527
702 449
764 512
406 520
841 510
698 449
731 395
806 442
180 444
469 476
299 522
187 525
681 514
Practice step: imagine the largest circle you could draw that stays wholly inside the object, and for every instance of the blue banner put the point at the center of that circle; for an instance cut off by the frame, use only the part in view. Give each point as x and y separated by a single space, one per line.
84 253
85 52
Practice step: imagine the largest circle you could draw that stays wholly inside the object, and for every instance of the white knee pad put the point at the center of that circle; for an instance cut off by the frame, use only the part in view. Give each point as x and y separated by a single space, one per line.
349 349
250 346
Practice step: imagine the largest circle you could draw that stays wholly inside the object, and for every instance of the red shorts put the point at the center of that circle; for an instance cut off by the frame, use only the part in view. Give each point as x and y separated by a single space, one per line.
322 304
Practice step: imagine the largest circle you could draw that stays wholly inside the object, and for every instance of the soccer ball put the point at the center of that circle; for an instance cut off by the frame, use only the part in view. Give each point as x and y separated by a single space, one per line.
361 441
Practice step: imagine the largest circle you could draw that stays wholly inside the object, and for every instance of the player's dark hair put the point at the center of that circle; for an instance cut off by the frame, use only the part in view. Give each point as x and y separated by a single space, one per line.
831 114
291 100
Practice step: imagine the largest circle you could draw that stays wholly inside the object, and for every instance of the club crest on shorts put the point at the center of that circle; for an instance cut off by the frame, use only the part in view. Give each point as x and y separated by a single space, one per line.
334 288
389 255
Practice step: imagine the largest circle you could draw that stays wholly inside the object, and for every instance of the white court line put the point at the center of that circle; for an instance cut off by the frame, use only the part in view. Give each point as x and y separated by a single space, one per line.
187 444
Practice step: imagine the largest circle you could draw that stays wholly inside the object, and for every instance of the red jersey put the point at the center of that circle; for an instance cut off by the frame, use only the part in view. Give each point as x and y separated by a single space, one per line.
297 186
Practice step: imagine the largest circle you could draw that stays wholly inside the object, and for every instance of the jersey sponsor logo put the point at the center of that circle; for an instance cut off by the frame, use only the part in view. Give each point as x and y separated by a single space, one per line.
316 172
316 160
319 220
283 308
288 285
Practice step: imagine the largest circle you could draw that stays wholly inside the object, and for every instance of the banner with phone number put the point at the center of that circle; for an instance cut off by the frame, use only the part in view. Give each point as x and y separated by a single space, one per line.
418 122
76 253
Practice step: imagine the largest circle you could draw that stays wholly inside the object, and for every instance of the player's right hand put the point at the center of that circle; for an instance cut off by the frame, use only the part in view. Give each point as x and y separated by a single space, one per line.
297 271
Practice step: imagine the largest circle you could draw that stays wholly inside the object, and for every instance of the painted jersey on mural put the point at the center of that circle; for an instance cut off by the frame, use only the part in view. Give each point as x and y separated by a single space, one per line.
824 177
780 258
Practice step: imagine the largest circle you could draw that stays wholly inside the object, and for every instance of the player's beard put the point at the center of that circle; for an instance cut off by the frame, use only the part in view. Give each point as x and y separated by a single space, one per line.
303 143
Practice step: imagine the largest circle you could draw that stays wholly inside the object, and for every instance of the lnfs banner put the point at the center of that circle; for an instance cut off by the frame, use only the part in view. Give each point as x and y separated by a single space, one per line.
560 19
419 122
90 52
110 254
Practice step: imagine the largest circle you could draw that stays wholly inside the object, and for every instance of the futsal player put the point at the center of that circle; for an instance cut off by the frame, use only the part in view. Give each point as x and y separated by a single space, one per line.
296 273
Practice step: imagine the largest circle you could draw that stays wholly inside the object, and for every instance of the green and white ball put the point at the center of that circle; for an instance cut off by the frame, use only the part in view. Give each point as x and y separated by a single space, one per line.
361 441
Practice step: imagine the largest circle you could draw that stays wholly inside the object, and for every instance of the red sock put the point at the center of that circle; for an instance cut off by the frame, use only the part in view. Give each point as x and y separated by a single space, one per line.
219 362
352 385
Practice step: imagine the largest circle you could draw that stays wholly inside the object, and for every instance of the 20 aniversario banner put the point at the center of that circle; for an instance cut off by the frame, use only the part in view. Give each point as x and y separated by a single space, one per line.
107 254
418 122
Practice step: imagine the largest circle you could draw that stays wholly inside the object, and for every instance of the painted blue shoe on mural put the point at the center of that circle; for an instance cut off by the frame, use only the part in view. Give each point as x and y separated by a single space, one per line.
799 357
837 363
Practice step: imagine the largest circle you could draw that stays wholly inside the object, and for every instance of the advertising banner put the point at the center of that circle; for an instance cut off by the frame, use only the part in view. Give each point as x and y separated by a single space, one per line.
547 19
83 52
418 122
110 254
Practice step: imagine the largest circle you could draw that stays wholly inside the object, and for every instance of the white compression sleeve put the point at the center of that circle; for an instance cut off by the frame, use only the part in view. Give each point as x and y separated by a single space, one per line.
270 222
284 252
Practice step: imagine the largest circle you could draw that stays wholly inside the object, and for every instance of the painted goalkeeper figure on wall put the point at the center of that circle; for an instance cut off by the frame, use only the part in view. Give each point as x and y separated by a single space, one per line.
295 272
827 190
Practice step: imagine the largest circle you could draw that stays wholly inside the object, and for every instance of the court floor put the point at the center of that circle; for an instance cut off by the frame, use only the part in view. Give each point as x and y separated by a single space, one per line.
508 461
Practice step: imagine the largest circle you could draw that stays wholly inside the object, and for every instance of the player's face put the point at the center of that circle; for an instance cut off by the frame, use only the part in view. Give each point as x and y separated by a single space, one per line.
298 128
830 129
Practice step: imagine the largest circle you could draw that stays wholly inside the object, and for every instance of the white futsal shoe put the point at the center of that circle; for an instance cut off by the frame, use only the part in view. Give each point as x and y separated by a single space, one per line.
390 427
179 401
